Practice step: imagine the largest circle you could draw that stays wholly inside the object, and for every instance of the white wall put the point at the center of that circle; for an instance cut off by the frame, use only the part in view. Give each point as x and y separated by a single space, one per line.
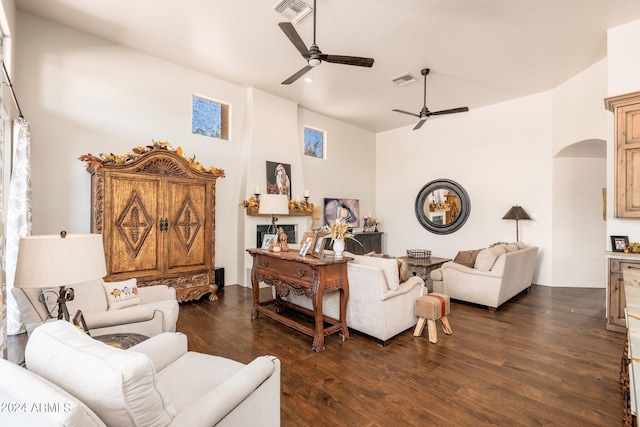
83 94
579 175
623 77
578 224
500 154
578 107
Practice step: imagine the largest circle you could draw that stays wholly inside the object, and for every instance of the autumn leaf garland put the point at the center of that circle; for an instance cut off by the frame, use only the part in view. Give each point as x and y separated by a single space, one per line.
137 152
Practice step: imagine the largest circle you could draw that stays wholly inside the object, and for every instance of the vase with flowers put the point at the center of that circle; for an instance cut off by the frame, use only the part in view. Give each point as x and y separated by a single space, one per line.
339 232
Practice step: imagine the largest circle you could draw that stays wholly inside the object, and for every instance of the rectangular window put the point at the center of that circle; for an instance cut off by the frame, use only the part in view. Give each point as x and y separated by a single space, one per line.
209 118
314 142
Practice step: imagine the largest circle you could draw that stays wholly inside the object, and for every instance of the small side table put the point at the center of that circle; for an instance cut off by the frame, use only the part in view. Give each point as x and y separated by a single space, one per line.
122 340
423 266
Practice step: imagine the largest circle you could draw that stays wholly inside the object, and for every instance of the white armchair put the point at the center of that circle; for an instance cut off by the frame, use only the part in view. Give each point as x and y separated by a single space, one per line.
156 313
156 383
379 304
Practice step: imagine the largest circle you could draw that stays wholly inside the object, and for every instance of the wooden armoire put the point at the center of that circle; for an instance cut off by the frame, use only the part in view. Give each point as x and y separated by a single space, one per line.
157 216
626 109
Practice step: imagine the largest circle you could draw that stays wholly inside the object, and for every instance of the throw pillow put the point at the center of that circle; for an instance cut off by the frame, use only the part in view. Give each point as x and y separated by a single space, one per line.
487 257
519 244
121 294
467 258
403 267
511 248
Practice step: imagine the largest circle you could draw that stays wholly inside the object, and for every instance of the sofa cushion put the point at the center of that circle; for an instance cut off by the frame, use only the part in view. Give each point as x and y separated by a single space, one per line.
89 296
519 244
510 247
388 266
487 257
120 386
467 258
403 267
121 294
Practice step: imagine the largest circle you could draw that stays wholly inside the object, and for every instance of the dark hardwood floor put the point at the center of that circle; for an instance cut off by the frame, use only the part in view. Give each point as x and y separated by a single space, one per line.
542 359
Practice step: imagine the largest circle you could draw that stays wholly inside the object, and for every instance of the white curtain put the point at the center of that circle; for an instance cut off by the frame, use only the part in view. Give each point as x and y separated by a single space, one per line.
18 214
3 283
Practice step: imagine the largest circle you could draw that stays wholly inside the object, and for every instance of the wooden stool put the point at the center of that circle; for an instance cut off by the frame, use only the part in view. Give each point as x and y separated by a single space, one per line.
432 307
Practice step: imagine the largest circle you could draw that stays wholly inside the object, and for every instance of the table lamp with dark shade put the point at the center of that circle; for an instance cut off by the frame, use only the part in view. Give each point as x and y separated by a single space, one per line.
274 204
516 212
60 260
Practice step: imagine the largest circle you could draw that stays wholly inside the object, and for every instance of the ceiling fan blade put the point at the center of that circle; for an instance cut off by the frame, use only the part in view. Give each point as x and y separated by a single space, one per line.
406 112
292 34
297 75
420 123
348 60
453 110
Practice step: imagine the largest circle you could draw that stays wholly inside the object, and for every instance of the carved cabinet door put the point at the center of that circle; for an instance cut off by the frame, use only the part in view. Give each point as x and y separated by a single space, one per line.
131 233
188 242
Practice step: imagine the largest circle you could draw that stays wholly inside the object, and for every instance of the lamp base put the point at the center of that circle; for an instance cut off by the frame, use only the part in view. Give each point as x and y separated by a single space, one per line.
65 294
273 229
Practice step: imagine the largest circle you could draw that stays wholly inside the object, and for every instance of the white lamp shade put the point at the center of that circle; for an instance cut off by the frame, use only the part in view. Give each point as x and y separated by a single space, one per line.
50 260
274 204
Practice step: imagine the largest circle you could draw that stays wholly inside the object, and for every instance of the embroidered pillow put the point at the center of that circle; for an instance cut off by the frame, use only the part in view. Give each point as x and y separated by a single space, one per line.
121 294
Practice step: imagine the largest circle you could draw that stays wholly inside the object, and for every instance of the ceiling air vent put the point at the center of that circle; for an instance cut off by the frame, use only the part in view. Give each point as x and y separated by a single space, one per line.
293 10
403 79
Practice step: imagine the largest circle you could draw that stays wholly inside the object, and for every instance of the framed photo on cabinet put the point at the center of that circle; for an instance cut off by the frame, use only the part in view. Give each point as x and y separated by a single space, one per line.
619 243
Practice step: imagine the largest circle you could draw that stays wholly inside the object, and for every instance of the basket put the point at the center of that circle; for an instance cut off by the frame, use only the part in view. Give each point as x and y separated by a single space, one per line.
418 253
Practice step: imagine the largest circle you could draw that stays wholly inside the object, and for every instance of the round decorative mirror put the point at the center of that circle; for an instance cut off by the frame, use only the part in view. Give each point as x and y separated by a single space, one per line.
442 206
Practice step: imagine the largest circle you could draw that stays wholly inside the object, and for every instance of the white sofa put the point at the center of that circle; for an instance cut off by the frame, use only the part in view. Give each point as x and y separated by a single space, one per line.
74 380
157 312
379 304
500 273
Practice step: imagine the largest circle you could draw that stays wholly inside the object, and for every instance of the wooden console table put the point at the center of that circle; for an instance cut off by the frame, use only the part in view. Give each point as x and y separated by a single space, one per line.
288 272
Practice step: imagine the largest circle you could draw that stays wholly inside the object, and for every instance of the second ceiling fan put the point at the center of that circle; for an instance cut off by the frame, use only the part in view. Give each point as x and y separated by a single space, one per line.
313 54
424 113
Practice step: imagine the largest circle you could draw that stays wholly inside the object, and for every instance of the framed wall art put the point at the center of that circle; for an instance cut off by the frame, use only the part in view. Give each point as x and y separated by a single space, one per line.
347 210
279 178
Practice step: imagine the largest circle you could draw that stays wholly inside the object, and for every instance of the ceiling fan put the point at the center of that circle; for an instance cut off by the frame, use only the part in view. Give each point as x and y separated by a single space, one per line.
313 55
425 113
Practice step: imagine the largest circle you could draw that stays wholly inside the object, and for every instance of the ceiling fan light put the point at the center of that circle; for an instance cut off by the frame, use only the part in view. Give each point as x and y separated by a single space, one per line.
314 62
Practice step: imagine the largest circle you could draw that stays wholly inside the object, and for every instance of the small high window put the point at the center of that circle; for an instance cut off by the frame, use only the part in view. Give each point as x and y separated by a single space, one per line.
209 118
314 142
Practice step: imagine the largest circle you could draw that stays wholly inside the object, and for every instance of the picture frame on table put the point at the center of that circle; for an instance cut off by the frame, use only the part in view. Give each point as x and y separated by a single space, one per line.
79 322
306 243
267 239
306 236
318 247
619 243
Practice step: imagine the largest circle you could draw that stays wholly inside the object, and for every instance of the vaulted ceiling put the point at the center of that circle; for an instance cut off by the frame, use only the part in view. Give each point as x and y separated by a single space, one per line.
479 52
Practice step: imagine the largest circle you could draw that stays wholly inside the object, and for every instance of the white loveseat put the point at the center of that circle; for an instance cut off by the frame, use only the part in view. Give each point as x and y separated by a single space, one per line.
379 304
500 272
74 380
157 312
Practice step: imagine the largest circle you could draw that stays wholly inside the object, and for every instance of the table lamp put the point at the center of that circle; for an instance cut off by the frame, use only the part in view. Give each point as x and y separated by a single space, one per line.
517 213
60 260
274 204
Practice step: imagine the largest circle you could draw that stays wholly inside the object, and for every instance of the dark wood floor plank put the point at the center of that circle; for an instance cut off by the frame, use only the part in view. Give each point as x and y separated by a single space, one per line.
543 358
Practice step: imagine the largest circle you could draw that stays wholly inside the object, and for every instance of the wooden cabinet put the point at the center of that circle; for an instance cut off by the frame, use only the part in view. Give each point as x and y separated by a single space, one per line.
371 242
626 109
157 216
616 303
